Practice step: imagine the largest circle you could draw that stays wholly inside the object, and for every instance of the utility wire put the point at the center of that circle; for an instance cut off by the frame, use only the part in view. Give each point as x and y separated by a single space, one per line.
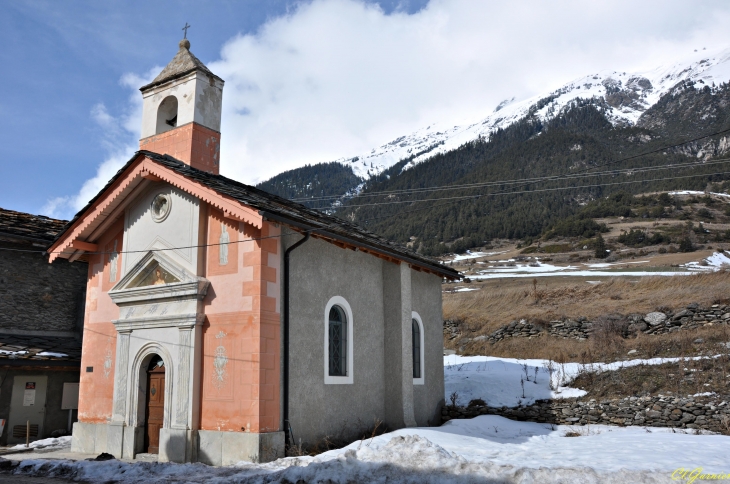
542 178
626 171
466 197
451 200
557 177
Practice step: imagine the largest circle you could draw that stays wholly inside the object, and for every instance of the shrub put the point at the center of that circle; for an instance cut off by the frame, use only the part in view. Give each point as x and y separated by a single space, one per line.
601 252
477 402
686 245
704 213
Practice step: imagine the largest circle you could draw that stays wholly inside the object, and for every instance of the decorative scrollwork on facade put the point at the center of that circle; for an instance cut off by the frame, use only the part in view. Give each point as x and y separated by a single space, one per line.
220 361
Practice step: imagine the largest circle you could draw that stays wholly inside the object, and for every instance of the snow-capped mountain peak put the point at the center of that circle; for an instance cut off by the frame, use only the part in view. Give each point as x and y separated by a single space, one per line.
625 96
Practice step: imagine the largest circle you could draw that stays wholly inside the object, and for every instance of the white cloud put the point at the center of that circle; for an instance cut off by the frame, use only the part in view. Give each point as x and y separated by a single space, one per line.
337 77
120 138
333 78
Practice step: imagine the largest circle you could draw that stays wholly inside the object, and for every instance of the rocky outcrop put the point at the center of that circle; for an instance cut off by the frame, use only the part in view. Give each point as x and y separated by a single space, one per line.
706 413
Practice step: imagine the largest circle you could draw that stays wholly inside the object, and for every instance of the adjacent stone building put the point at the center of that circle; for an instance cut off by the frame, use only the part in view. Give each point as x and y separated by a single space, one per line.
41 322
222 320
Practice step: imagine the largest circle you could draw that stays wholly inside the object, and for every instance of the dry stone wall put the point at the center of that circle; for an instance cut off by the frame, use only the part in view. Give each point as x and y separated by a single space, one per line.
691 317
706 413
38 296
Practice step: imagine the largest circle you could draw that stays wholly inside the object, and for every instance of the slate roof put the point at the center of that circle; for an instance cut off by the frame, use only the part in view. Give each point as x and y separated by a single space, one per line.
280 209
181 65
29 226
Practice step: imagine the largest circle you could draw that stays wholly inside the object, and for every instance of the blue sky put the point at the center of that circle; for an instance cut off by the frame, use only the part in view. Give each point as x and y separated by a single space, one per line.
60 59
305 81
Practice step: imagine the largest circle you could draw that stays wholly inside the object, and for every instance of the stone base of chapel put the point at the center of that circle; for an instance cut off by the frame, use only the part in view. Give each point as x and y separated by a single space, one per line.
179 445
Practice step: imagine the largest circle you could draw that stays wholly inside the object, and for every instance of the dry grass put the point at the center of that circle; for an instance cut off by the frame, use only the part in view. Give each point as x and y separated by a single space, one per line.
686 377
608 347
501 301
364 433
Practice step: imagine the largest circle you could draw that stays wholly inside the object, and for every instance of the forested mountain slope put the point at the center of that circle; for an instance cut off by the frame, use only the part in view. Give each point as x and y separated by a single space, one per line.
627 126
579 141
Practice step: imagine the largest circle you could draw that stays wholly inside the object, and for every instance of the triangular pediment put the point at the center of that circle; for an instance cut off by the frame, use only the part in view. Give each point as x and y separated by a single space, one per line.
154 269
83 231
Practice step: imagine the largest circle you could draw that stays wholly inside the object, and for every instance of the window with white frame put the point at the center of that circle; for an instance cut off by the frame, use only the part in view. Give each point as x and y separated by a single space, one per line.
338 338
417 349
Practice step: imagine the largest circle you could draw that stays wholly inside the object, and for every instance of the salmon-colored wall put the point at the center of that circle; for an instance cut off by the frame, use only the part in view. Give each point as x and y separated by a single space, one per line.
96 389
191 143
242 325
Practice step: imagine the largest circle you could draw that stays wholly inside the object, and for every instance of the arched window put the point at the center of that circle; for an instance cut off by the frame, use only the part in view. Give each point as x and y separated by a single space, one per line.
417 348
166 115
338 337
337 342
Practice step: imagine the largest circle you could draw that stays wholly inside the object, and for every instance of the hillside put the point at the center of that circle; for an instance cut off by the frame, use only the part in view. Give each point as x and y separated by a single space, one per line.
590 123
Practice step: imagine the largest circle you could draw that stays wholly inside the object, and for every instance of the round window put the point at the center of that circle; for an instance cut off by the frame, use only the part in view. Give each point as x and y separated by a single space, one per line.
160 207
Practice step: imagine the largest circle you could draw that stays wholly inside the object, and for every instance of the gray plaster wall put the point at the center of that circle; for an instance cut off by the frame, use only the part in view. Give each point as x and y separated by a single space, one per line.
426 301
319 271
372 287
36 296
55 417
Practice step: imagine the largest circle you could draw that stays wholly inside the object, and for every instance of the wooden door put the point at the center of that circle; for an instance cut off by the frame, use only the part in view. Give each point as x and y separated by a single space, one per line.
155 409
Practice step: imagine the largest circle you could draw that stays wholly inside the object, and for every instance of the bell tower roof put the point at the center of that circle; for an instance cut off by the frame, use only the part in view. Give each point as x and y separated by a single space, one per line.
181 65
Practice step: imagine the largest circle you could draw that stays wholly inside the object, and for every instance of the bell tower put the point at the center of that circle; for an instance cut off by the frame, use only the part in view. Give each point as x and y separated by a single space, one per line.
181 112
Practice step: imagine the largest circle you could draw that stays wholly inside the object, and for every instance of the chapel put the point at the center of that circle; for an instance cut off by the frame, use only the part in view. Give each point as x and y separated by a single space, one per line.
223 323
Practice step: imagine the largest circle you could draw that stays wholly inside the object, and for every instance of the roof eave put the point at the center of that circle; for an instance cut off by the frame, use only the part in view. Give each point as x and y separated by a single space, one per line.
441 270
179 75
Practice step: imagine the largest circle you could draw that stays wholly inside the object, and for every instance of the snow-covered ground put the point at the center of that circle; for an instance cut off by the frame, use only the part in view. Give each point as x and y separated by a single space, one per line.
485 449
694 192
474 255
502 382
47 444
535 268
715 262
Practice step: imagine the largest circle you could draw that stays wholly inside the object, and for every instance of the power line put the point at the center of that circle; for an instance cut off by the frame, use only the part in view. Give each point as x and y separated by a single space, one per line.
628 171
464 197
557 177
144 251
451 201
565 175
467 186
470 197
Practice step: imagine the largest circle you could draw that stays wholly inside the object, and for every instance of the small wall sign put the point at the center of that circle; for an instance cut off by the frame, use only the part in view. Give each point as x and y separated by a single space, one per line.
29 394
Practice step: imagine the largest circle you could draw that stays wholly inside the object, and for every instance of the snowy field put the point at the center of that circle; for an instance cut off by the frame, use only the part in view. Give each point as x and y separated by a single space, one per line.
486 449
502 382
534 268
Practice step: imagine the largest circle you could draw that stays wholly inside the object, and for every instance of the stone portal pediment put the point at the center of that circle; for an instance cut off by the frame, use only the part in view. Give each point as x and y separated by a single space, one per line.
158 291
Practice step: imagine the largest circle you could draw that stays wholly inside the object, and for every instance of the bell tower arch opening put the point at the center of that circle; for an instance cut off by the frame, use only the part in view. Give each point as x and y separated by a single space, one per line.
167 115
181 112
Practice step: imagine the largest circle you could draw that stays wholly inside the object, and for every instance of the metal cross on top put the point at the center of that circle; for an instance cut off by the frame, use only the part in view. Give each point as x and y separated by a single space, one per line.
186 30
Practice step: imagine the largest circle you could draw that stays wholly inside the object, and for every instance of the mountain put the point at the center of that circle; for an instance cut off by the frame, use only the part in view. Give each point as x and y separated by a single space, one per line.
597 119
626 96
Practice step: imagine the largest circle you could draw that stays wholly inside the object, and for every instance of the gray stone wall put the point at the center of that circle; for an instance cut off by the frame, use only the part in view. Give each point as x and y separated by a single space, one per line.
691 317
38 296
706 413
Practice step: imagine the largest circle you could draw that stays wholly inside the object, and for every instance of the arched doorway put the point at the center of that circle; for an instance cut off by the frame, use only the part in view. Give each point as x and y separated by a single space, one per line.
154 404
